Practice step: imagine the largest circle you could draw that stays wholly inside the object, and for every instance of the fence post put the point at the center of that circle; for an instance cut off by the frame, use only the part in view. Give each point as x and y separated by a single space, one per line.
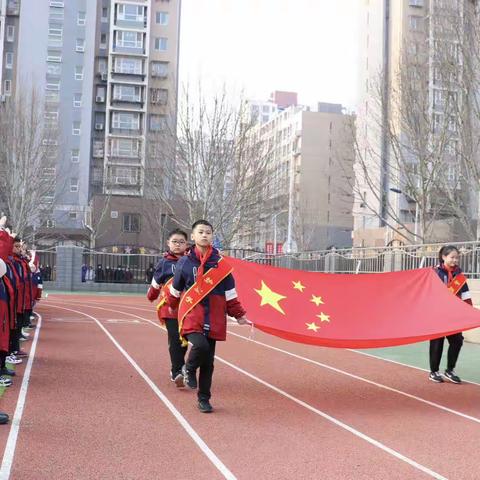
69 267
331 261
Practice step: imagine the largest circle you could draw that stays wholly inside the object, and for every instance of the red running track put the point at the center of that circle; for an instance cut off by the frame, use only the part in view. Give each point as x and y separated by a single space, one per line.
100 405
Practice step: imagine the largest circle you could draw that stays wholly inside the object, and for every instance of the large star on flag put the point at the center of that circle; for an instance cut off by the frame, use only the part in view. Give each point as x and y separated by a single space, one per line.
312 326
270 297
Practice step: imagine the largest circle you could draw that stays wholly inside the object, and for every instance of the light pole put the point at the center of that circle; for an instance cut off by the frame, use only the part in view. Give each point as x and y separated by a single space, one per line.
274 220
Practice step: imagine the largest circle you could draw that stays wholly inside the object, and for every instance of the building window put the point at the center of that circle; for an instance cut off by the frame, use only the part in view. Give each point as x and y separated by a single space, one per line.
127 93
157 123
72 215
77 100
52 97
130 13
415 22
75 155
80 45
103 40
125 147
104 15
53 86
74 185
54 56
129 39
54 69
9 60
10 33
55 14
98 148
416 3
76 128
159 69
127 121
158 96
161 44
131 222
79 72
100 95
81 19
126 65
162 18
102 65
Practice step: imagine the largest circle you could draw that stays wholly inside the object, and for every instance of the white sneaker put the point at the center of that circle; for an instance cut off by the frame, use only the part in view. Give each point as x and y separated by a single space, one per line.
5 382
25 334
13 360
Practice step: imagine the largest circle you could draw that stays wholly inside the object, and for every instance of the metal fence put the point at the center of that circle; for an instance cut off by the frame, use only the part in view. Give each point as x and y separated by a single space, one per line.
47 264
373 260
117 268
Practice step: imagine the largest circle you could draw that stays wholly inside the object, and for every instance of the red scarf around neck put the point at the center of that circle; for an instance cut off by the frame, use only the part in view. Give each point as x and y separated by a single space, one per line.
203 260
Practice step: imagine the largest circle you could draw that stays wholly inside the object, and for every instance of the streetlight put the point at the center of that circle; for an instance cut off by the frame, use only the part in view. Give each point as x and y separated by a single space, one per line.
274 220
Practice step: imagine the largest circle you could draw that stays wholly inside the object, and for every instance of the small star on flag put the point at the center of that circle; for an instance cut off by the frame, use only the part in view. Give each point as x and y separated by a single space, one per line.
323 317
298 286
316 300
270 297
312 326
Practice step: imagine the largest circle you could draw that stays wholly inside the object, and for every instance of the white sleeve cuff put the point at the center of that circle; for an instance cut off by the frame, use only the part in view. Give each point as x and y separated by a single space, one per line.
174 292
155 284
466 295
231 294
40 286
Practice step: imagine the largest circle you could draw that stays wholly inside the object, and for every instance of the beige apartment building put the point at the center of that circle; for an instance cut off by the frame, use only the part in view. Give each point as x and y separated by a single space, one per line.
307 204
398 36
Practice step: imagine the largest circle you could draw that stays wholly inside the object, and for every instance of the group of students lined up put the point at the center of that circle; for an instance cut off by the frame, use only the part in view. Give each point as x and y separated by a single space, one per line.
20 288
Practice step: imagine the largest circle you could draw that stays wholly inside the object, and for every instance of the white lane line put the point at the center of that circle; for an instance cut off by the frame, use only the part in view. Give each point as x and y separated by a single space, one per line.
337 370
11 445
178 416
361 379
401 364
311 408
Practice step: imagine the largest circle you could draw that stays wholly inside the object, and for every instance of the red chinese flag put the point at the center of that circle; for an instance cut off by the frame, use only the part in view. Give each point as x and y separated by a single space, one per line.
350 311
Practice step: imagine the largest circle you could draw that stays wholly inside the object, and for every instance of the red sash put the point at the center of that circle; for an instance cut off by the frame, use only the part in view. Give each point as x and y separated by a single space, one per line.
457 283
196 293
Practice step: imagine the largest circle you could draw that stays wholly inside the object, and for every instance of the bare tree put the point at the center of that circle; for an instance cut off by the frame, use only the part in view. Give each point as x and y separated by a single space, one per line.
28 150
210 166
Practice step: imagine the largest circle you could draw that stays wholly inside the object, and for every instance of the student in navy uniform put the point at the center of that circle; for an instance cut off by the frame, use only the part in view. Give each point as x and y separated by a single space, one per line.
205 322
451 275
163 272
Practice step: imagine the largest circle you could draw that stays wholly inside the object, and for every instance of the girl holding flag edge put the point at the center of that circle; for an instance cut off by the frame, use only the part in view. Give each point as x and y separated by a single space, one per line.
456 282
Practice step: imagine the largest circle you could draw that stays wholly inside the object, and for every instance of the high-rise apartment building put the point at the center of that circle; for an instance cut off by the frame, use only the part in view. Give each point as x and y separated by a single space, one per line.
399 36
307 202
106 74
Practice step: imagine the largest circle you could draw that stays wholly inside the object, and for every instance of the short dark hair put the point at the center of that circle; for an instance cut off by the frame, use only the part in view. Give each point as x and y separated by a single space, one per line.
17 240
445 250
177 231
202 222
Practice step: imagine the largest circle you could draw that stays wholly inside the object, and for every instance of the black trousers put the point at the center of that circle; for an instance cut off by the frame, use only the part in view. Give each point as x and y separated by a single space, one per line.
436 349
201 356
177 352
16 332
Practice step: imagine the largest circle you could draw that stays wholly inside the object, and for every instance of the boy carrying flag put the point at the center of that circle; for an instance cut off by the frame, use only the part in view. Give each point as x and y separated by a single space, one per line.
209 294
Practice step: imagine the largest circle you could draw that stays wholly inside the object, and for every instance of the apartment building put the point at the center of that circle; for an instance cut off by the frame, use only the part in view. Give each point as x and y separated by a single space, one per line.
307 204
394 34
106 73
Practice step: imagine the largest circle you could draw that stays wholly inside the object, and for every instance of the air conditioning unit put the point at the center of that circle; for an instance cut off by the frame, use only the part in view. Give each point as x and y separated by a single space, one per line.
99 126
113 214
104 76
99 99
3 98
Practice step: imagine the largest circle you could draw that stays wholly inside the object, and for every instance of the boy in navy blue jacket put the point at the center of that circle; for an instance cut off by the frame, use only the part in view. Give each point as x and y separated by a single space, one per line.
164 271
209 296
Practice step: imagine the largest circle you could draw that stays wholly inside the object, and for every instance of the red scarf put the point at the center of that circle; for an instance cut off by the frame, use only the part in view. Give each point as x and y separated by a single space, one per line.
203 260
449 271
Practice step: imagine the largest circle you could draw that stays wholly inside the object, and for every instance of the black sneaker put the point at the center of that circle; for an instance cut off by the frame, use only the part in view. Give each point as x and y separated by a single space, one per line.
7 371
452 376
189 378
436 377
204 406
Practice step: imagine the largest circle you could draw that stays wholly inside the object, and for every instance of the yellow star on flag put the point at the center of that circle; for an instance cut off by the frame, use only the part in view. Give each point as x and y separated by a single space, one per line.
323 317
271 298
298 286
312 326
316 300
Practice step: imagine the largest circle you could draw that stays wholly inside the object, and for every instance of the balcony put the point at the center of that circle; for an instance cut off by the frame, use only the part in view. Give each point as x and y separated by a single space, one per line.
135 22
126 132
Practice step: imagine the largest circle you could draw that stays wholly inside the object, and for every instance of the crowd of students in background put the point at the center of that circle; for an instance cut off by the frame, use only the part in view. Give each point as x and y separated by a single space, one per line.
20 289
